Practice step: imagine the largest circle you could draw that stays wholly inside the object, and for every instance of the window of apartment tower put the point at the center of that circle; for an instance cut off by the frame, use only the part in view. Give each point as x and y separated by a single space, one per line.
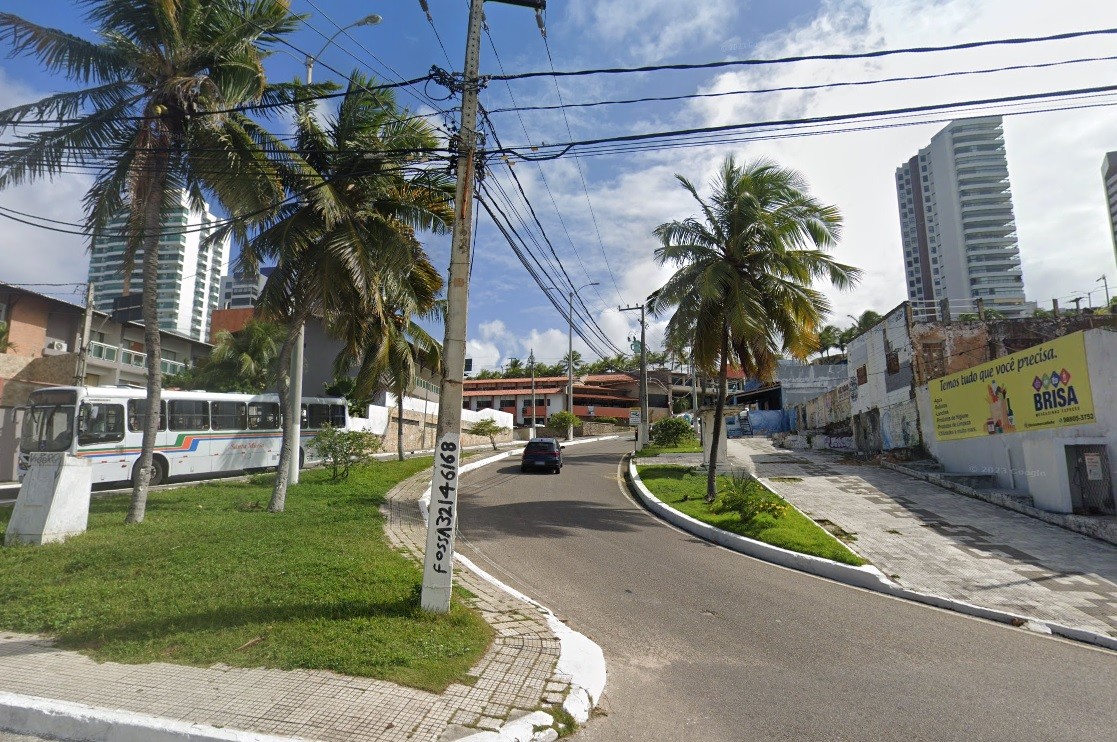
862 376
934 359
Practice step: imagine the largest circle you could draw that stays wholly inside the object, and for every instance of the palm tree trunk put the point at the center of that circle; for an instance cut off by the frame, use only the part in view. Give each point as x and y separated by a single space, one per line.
399 424
719 411
150 194
283 388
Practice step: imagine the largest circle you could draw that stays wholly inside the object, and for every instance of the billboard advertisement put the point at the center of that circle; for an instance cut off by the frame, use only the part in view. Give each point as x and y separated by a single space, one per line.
1045 386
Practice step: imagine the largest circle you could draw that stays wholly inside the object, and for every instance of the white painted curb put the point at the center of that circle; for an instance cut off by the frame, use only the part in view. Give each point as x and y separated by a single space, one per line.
77 721
581 661
867 577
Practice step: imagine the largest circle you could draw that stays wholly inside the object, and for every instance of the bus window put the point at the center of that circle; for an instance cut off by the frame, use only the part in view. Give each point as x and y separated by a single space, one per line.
337 415
99 422
229 415
263 416
189 414
137 411
47 428
317 416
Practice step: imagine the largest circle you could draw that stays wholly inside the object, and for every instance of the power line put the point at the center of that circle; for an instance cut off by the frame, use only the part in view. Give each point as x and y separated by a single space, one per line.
581 174
813 57
559 150
543 178
804 88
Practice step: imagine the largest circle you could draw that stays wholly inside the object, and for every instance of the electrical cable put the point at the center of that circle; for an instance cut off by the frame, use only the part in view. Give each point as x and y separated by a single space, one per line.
804 88
876 54
562 149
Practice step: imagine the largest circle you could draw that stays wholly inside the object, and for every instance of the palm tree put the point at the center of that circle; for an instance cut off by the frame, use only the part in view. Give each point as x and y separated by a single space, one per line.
828 337
158 116
241 361
392 352
346 247
567 358
741 292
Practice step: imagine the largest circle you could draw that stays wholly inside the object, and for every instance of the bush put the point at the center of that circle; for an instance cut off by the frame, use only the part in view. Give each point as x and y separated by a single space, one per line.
606 419
563 420
340 448
671 431
748 498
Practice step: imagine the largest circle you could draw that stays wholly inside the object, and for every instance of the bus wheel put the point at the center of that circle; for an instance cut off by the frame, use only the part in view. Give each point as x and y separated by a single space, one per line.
158 472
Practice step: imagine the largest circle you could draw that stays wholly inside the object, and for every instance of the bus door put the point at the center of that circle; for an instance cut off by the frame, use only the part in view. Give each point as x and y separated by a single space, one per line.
101 433
231 448
264 430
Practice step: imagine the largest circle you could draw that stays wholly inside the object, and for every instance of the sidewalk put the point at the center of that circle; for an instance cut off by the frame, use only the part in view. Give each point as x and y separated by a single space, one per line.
932 540
517 676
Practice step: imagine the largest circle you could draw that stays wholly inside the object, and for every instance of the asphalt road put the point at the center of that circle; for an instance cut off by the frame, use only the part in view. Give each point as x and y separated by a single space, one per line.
706 644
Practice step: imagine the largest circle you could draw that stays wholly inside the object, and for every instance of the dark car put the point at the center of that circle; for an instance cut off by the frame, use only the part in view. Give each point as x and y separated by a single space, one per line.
542 454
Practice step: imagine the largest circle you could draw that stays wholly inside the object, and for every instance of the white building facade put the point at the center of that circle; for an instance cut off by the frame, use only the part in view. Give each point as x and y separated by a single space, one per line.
957 222
1109 175
190 271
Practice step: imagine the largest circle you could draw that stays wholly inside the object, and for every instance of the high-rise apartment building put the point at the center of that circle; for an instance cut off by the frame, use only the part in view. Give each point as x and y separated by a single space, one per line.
189 270
241 289
958 227
1109 174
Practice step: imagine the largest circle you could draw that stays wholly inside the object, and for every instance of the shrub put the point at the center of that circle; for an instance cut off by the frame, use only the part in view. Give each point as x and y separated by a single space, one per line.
748 498
340 448
671 431
605 419
487 428
562 420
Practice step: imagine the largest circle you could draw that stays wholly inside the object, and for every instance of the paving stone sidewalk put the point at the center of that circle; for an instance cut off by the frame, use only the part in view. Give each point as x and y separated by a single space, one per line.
936 541
515 676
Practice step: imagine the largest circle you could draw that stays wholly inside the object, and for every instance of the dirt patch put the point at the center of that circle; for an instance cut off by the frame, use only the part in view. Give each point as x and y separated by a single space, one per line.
837 531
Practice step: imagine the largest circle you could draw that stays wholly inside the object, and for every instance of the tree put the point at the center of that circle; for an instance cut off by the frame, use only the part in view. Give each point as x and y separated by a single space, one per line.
488 428
867 320
241 361
828 337
6 344
671 431
161 113
566 361
343 386
741 292
345 248
563 420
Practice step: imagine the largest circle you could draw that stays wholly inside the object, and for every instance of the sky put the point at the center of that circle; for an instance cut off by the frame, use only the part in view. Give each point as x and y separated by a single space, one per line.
598 211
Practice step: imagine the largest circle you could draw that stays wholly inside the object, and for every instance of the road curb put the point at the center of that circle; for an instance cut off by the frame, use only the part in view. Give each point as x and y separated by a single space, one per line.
76 721
867 577
581 661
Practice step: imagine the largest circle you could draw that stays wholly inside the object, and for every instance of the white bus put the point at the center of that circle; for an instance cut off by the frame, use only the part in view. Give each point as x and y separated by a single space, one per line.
199 432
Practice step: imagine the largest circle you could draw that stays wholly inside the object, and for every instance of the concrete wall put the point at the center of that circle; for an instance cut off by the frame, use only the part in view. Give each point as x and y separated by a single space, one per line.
1035 460
420 424
826 410
881 378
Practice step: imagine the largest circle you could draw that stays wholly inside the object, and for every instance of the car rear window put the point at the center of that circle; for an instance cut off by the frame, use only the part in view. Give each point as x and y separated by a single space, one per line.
538 446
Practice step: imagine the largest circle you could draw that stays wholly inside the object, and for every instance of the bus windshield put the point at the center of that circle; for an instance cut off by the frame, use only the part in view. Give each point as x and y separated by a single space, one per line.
49 423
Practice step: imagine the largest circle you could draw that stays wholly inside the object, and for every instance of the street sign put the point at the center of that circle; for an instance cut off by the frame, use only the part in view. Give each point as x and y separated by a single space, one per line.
589 410
633 415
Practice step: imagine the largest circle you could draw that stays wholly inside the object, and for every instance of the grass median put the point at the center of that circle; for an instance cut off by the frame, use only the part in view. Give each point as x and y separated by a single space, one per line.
211 577
684 489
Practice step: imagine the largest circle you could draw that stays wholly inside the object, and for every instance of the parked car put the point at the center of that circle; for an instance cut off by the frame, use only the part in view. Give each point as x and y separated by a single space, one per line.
542 454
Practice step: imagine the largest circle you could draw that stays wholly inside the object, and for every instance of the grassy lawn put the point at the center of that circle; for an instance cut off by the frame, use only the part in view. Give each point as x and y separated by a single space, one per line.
211 576
689 447
684 489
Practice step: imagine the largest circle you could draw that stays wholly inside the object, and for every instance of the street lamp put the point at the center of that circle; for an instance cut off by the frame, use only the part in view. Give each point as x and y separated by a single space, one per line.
295 411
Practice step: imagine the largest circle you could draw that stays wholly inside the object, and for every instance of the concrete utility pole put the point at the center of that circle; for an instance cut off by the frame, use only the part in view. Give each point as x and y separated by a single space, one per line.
1105 284
86 331
442 514
642 429
570 355
295 403
531 365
